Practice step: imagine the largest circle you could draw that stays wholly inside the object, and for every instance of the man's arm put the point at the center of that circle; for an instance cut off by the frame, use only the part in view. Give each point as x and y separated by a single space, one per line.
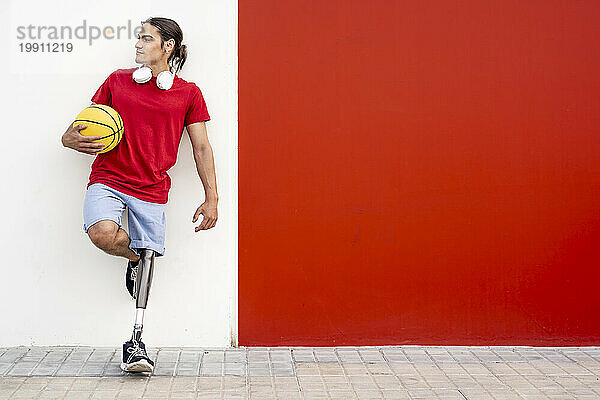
205 165
73 139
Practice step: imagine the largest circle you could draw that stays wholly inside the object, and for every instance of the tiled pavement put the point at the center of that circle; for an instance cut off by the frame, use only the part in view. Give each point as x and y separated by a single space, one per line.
398 372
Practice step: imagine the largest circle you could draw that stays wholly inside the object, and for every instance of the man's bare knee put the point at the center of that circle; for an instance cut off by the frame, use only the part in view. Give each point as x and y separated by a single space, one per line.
103 234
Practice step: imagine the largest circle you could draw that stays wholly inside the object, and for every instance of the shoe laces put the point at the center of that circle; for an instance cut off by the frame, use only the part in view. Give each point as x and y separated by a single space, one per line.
136 350
134 270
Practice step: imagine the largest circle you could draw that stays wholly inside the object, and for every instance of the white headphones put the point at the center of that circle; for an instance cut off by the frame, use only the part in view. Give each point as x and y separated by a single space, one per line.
164 80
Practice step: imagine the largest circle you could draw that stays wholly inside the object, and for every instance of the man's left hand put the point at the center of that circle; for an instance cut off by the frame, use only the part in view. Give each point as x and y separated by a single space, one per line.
209 210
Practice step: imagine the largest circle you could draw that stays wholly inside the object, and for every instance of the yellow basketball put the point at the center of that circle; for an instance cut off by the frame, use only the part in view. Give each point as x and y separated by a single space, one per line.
101 120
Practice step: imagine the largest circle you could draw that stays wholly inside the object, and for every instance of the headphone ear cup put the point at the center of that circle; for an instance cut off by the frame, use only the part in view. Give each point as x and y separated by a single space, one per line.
164 80
142 74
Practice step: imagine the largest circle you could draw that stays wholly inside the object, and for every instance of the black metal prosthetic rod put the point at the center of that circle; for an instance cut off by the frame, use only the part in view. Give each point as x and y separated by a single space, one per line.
142 288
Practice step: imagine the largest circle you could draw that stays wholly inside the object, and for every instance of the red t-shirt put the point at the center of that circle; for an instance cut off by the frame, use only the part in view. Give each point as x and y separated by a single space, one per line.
153 119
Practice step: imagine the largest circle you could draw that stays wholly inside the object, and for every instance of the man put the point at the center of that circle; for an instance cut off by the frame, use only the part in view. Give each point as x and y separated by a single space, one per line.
155 108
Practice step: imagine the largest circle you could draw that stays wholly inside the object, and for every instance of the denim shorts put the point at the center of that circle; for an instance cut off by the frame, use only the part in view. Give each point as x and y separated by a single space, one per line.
146 220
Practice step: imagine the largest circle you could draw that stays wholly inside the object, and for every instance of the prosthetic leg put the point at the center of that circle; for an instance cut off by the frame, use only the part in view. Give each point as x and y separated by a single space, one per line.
135 358
141 290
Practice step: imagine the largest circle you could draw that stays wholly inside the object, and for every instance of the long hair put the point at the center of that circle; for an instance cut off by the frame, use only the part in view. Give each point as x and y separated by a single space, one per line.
168 30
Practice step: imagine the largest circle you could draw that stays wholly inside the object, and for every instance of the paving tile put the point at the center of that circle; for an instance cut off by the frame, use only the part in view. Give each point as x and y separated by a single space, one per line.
23 393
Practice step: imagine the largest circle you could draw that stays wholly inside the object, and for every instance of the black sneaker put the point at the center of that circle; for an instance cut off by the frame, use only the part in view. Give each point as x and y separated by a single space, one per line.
130 276
135 358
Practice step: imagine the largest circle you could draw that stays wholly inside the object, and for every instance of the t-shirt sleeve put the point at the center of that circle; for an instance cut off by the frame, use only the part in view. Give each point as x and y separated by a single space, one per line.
103 94
197 111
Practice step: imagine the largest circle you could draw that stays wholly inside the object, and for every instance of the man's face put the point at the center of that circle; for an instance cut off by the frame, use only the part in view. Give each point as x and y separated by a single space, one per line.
148 50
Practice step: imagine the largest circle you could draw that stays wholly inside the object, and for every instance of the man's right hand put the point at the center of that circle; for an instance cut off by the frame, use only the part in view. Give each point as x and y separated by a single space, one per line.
73 139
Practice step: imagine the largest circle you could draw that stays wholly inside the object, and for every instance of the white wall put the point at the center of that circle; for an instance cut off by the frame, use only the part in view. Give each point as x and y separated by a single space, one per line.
56 287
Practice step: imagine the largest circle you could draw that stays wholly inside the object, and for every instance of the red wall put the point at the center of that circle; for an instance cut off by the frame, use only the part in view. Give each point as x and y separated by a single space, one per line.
419 172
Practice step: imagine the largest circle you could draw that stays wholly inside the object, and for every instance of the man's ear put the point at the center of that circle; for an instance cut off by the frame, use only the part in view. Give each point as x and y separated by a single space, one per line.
170 45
